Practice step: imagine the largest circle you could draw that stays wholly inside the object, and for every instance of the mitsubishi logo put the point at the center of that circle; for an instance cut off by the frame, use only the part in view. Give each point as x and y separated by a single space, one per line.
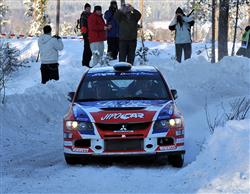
123 128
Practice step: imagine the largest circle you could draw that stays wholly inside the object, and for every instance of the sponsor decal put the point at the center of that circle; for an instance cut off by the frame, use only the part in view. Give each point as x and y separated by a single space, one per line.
115 74
80 149
172 147
67 143
123 116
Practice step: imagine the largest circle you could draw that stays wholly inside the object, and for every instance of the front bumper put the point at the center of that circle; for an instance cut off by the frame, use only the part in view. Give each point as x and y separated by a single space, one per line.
97 148
124 154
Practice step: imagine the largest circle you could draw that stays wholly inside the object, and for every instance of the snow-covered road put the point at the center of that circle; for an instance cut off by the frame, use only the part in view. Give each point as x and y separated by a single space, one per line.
32 137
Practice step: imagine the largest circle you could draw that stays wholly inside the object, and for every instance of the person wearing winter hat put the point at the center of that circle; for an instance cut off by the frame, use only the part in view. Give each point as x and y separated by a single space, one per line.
127 18
97 34
87 54
244 50
49 47
182 24
113 33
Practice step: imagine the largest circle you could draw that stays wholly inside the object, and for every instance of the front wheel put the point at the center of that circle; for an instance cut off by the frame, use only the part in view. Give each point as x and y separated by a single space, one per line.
176 160
71 160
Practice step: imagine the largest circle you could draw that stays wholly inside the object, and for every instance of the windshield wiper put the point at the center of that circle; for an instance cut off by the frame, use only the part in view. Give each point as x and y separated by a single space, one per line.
88 100
139 98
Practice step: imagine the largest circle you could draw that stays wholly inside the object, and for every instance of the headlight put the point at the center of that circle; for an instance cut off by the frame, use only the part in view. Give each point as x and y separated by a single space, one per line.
165 124
177 122
75 125
162 124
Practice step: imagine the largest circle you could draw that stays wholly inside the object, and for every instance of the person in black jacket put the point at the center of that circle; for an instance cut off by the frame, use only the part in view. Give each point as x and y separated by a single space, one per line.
87 54
181 24
127 18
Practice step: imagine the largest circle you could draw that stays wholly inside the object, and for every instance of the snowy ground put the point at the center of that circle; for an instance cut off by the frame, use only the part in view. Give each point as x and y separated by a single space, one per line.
32 139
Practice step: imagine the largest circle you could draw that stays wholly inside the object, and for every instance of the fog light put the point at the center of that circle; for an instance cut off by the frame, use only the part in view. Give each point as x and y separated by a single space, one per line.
98 147
149 146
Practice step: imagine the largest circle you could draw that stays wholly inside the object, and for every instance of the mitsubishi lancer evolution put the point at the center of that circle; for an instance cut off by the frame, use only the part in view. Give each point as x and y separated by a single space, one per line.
123 110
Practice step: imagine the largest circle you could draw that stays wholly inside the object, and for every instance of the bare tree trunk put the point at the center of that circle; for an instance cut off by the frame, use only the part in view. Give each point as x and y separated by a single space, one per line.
57 17
223 29
122 2
249 14
142 8
213 30
235 27
35 10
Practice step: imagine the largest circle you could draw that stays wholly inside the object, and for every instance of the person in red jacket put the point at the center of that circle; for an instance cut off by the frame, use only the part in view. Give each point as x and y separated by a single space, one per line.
97 34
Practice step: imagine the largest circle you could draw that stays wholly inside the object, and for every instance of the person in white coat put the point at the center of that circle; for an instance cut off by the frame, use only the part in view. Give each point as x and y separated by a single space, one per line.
49 46
182 24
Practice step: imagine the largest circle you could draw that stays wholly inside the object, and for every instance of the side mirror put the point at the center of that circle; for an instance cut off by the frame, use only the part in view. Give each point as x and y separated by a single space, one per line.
71 96
174 94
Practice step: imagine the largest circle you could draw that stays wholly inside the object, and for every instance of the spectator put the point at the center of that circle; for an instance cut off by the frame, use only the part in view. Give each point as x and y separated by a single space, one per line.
182 26
244 50
49 47
113 33
127 18
87 54
97 34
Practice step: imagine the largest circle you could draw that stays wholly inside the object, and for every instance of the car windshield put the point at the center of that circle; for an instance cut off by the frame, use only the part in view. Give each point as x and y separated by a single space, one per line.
126 86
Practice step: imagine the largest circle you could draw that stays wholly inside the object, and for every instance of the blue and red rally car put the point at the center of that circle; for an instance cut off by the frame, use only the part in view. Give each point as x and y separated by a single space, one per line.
123 110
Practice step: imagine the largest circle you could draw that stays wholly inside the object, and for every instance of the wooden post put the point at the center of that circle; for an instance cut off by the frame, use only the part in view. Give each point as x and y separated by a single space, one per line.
57 17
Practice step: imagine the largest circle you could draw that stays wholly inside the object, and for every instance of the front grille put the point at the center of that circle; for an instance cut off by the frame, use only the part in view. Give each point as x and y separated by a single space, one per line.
121 126
124 145
122 136
82 143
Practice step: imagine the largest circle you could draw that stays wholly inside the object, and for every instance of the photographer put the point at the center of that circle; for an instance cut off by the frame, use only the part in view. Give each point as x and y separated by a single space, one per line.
49 47
127 18
182 26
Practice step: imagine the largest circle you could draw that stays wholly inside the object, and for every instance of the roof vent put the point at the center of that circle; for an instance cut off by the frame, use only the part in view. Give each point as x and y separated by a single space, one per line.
122 66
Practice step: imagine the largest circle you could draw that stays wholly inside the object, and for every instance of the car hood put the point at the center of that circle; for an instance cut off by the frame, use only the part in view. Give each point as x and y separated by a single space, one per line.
121 111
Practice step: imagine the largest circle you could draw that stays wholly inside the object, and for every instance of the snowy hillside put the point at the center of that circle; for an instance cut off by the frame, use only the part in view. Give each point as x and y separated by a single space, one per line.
32 135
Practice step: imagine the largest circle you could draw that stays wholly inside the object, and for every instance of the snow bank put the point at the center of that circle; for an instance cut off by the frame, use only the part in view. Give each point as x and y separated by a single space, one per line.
223 164
31 131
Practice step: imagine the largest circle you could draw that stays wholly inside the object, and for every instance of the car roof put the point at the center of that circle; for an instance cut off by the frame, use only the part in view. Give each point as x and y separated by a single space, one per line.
110 69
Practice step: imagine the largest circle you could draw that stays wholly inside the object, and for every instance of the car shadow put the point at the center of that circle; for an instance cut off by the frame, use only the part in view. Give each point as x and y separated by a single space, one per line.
125 161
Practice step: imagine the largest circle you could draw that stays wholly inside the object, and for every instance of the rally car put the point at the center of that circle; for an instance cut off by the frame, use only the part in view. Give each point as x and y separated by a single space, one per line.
123 110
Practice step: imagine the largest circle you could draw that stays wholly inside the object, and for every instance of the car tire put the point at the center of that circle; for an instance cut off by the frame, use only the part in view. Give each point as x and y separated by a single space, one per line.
71 160
176 160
